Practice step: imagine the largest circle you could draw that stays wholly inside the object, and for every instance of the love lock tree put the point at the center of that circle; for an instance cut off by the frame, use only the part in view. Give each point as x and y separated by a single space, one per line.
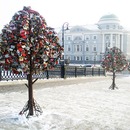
128 66
29 46
114 61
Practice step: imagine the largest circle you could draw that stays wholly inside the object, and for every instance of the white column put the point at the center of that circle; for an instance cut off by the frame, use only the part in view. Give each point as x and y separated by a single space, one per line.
121 42
111 41
103 44
116 39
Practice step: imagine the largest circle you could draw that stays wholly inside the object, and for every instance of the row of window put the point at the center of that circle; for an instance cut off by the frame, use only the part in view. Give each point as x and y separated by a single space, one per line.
80 58
108 37
78 48
114 27
86 37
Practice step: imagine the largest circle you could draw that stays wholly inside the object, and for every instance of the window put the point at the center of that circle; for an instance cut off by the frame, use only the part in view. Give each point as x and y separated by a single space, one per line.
94 48
107 27
74 48
87 37
107 44
68 48
77 47
87 58
87 48
77 57
69 38
80 47
94 58
114 26
107 37
114 37
74 58
94 37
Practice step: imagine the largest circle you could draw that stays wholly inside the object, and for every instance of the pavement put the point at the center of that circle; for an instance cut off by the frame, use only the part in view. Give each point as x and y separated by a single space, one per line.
19 85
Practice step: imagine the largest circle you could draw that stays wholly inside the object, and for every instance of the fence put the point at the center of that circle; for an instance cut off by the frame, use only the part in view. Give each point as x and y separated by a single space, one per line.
69 71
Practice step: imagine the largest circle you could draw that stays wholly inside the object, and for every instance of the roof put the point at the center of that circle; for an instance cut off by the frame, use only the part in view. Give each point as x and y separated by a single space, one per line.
84 28
109 16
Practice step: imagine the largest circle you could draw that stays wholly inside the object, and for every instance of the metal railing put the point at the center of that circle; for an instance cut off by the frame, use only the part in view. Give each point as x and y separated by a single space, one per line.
70 71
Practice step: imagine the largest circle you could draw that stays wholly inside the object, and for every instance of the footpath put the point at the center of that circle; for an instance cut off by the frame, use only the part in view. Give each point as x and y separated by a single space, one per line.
19 85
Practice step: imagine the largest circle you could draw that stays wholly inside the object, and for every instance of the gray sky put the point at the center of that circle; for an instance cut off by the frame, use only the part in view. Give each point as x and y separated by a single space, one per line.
75 12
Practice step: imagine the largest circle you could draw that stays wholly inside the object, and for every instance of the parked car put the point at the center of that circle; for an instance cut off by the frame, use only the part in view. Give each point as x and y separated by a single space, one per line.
81 65
88 65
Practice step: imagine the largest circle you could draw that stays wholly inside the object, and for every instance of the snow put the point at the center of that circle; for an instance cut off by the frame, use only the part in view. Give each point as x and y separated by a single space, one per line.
82 106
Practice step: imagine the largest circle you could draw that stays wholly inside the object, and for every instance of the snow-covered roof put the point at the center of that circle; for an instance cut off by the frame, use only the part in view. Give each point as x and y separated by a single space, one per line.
92 27
81 28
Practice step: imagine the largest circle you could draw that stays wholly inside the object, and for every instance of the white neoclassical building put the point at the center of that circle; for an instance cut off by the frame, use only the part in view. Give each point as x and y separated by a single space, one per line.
87 44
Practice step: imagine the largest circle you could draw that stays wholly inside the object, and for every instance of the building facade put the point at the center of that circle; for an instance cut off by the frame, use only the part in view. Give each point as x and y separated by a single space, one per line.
87 44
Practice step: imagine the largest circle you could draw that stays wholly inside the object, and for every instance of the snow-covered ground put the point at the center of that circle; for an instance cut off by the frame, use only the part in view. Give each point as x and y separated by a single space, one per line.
80 106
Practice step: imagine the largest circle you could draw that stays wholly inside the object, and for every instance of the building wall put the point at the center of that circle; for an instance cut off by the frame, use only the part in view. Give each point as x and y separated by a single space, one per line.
84 44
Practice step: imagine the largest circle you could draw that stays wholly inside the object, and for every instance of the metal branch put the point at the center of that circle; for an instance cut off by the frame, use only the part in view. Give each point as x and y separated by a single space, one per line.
26 85
34 80
37 109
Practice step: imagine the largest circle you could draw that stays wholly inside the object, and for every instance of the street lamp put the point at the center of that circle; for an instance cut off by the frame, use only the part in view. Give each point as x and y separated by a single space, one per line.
95 54
63 58
63 34
101 56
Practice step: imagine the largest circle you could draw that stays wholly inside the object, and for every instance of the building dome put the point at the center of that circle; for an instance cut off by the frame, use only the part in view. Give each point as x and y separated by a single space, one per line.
109 18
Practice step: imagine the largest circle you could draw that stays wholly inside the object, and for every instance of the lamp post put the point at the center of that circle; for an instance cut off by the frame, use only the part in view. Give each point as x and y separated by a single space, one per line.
63 34
101 55
63 58
95 54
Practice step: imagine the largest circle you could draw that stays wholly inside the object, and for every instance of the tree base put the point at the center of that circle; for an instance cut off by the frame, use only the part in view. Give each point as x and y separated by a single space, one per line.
36 108
113 86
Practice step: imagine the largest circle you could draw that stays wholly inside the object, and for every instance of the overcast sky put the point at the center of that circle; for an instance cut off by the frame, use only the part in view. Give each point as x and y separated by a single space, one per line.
75 12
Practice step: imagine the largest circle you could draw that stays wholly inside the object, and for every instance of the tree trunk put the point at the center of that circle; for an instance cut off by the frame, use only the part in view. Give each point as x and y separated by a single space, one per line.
30 87
113 81
30 91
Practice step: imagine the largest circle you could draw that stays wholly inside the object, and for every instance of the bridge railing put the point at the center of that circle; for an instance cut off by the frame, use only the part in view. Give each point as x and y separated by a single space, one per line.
70 71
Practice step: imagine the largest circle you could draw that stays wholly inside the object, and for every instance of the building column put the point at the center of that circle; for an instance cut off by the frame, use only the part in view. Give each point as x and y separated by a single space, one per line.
121 42
111 40
118 41
103 44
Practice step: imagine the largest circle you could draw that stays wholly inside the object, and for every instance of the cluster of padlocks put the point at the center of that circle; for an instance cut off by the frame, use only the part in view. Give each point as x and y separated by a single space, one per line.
114 60
27 42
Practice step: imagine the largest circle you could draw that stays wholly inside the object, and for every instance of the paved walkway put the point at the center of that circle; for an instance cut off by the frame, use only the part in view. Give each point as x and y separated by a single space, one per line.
19 85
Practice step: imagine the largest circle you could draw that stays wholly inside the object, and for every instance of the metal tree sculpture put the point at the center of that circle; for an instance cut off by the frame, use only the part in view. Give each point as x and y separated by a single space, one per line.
128 66
29 46
114 61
